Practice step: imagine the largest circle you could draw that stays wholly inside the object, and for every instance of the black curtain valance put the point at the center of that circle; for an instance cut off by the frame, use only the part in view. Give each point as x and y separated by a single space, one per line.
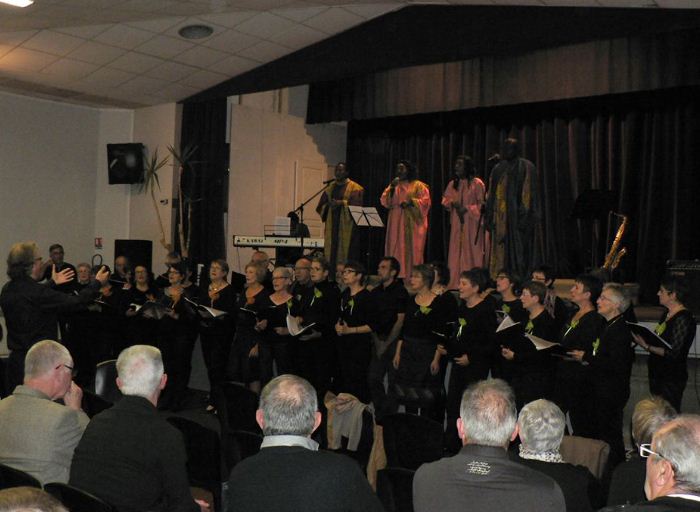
612 66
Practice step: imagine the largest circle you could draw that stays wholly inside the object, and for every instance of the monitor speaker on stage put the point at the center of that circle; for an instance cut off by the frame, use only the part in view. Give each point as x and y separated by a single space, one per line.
690 271
125 163
139 252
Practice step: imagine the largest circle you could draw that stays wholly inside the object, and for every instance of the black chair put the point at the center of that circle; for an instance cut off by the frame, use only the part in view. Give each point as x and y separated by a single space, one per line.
205 464
76 500
395 489
364 447
236 405
240 445
106 381
411 440
94 404
11 477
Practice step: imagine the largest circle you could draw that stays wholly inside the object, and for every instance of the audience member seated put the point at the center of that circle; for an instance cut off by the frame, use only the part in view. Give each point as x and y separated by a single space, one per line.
28 499
627 484
673 468
541 428
289 474
37 435
130 456
480 476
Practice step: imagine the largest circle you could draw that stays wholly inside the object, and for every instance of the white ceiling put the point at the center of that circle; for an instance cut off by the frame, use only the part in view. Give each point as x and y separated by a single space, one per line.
127 53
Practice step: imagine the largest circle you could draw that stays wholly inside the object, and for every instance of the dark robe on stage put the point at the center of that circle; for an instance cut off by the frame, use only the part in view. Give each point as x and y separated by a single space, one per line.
340 239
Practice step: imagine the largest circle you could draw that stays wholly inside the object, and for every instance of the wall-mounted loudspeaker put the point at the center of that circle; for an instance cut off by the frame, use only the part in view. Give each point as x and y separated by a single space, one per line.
125 163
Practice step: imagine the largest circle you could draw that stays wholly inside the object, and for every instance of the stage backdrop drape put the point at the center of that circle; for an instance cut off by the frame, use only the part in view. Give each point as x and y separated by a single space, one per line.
204 127
611 66
642 146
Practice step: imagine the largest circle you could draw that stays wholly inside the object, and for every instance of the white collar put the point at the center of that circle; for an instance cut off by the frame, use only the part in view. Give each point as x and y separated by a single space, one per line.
693 497
289 440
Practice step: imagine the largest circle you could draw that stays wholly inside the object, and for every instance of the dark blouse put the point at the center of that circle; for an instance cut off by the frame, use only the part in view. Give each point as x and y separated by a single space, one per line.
424 322
514 309
356 310
474 332
322 307
679 332
276 316
226 301
581 335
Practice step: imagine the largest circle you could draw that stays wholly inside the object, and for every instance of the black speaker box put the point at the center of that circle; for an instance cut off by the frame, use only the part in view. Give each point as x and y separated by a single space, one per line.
690 270
139 252
125 163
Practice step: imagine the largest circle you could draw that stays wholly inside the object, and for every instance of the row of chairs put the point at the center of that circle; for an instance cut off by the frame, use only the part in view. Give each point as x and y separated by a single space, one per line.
74 499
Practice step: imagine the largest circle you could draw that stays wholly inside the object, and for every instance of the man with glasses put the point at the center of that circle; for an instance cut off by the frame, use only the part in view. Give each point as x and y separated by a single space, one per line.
38 435
303 288
673 468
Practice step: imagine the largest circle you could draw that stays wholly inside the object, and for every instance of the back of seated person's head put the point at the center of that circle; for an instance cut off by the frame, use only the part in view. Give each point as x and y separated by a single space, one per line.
43 358
648 416
541 425
678 443
488 413
289 406
28 499
139 370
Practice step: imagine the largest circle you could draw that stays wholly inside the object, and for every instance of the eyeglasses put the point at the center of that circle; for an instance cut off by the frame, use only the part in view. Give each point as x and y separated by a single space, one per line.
302 268
349 271
71 368
645 451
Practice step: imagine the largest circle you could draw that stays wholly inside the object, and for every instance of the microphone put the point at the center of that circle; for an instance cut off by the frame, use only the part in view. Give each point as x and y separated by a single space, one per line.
329 181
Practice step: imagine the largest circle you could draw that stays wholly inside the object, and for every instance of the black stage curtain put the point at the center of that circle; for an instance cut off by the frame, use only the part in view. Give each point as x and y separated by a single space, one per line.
204 126
640 145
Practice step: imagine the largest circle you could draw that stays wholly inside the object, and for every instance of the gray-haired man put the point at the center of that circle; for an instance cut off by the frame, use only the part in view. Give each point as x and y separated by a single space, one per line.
289 474
480 476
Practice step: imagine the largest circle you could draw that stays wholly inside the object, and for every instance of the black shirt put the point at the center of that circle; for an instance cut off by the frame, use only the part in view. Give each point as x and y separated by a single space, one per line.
321 307
133 459
65 287
389 302
474 336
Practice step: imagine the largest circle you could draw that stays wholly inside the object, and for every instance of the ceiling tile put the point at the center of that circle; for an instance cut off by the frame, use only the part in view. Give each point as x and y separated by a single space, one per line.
264 51
235 65
143 85
27 60
265 25
203 79
201 56
96 53
53 42
231 41
16 38
107 77
158 25
299 36
176 92
334 20
85 31
124 36
164 47
369 11
300 14
135 62
5 48
150 5
69 69
228 19
171 71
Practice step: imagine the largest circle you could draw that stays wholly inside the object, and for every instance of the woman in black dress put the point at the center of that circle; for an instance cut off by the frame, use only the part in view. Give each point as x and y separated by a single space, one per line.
142 331
508 286
354 341
243 360
472 347
668 368
533 369
275 343
216 334
571 382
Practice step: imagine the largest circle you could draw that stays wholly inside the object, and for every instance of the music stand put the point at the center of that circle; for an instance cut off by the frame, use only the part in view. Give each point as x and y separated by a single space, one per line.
367 217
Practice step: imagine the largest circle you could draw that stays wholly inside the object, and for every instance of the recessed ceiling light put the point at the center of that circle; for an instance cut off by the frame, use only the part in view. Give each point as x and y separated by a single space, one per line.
18 3
196 31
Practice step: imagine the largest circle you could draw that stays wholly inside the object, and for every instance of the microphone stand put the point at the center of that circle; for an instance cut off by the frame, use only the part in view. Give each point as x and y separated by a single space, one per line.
300 209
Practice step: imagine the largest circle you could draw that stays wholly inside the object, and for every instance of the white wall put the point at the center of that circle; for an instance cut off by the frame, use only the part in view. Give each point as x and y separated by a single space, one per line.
267 145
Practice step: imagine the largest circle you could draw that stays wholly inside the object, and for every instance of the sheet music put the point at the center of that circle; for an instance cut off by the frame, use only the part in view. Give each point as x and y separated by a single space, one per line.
366 216
507 323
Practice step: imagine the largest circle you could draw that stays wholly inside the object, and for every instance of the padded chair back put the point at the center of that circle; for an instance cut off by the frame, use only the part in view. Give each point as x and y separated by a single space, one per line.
106 381
411 440
395 489
240 445
76 500
581 451
237 405
11 477
204 457
94 404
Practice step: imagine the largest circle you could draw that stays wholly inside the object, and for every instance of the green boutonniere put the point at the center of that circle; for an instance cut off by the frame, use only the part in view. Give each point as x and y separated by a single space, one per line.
529 327
317 295
596 346
573 324
462 322
425 310
350 304
660 329
506 308
290 302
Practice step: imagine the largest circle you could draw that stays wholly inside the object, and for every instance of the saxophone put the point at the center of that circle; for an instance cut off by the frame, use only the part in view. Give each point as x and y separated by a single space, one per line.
612 259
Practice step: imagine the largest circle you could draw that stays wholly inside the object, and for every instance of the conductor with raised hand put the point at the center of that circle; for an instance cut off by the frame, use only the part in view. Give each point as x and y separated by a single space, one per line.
31 309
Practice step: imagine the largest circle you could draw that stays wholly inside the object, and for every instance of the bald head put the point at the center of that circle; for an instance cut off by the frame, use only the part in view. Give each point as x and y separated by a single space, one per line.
288 406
